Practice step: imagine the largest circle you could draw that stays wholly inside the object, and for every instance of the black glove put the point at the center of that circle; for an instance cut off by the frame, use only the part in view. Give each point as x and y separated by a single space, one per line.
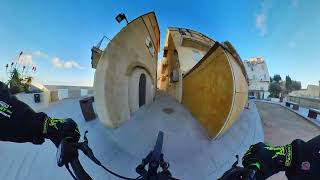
267 159
57 129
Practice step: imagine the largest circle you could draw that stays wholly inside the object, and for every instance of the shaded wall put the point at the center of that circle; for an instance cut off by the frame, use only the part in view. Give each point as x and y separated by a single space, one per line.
169 67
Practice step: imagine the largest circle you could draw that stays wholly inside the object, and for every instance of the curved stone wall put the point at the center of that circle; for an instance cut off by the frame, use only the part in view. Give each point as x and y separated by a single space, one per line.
135 46
215 91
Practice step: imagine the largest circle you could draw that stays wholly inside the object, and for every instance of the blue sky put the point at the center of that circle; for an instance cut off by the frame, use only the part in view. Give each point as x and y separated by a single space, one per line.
56 36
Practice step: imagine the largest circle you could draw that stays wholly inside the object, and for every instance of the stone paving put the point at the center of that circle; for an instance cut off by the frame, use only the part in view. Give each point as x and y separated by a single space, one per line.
190 153
283 126
303 112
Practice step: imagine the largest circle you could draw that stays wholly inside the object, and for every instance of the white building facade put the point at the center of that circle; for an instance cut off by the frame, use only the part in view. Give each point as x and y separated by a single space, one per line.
259 78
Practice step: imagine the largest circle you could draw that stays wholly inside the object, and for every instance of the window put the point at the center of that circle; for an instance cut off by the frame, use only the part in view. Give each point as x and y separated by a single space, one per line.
254 77
149 44
196 55
165 53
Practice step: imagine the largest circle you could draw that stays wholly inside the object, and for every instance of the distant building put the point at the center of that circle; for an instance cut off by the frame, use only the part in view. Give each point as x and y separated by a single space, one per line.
312 91
259 78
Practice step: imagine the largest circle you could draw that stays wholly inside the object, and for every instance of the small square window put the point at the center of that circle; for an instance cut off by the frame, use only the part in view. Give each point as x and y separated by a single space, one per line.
196 55
165 53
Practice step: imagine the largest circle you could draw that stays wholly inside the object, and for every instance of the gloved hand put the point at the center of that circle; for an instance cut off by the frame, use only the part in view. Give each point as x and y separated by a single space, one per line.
267 159
238 173
57 129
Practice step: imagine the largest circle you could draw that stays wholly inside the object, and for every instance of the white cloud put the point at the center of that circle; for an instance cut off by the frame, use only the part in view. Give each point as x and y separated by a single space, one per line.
40 54
261 24
65 64
25 59
292 44
261 19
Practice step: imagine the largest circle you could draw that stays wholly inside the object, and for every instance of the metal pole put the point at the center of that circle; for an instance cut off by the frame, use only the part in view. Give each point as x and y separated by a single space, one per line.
319 88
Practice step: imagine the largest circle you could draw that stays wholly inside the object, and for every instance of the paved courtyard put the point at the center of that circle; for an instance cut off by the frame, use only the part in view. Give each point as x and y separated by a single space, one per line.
190 153
282 126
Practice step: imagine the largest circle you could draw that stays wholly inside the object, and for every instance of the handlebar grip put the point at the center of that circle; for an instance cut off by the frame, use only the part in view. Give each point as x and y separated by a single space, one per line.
78 170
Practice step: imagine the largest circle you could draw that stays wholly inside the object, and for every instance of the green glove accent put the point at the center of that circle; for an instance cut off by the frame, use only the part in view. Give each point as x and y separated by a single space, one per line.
57 129
268 159
285 151
257 165
51 122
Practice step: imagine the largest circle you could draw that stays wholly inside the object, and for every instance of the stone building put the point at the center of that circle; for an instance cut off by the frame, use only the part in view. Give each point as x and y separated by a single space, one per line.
312 91
183 49
206 76
259 78
125 77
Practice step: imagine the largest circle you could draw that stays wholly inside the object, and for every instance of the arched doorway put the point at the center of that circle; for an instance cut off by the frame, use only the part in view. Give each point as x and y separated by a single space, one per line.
142 90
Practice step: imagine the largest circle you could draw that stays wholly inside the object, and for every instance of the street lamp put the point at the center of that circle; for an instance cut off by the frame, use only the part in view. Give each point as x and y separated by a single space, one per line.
121 17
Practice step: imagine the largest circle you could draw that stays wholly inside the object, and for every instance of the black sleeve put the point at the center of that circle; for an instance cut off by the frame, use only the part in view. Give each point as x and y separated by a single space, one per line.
18 122
305 160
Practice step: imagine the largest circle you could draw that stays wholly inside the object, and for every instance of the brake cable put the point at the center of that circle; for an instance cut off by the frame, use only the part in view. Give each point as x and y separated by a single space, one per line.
70 172
153 155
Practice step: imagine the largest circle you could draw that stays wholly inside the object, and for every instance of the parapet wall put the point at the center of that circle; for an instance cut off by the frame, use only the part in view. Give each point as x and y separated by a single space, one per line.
306 101
28 98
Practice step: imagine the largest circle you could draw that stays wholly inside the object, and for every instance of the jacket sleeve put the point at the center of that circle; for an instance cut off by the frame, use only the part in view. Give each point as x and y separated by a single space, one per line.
18 122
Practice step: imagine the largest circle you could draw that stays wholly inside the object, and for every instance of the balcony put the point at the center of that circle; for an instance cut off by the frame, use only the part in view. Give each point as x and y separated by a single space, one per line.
96 53
95 56
195 40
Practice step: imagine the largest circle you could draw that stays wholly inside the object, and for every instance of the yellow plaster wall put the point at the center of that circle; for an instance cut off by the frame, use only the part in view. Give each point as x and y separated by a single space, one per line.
215 91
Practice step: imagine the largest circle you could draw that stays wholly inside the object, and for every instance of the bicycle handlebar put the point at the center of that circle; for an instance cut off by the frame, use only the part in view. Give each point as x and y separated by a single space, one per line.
67 154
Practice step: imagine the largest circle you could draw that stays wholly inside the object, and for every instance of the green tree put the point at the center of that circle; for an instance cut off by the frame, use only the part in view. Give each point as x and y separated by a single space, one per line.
277 78
288 83
296 85
17 83
275 89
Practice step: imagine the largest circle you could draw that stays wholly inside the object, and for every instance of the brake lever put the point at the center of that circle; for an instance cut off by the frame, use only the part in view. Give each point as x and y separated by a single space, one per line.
84 147
237 161
85 136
